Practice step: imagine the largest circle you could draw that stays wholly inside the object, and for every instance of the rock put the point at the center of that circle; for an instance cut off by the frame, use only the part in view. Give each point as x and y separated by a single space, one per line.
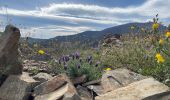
61 93
114 79
135 91
94 82
79 80
98 89
84 93
160 96
9 63
42 77
51 85
59 86
17 87
35 67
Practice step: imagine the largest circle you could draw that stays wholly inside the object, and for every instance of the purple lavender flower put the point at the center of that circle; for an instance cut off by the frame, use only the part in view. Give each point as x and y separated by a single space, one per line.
67 58
59 61
90 62
97 64
73 56
78 66
77 55
80 60
89 58
65 66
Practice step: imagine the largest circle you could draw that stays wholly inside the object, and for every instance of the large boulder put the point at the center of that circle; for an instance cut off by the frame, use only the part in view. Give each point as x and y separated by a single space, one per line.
17 87
59 86
135 91
9 63
118 78
159 96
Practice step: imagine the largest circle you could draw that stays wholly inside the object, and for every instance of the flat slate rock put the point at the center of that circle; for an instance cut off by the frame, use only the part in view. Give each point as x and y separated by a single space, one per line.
135 91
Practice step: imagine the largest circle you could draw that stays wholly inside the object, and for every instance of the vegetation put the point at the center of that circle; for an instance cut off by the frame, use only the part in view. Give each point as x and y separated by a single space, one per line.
143 50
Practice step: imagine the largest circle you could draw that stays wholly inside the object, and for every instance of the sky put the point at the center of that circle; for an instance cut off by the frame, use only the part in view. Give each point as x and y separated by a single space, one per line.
49 18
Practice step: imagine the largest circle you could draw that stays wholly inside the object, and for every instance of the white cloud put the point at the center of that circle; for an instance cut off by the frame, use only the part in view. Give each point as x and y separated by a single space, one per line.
52 31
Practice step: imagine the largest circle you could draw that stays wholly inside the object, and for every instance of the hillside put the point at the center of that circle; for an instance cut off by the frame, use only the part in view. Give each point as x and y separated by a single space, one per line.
92 37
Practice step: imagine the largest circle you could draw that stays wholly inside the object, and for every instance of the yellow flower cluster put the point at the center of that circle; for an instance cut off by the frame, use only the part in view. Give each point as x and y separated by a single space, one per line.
167 34
41 52
161 41
160 58
155 26
108 69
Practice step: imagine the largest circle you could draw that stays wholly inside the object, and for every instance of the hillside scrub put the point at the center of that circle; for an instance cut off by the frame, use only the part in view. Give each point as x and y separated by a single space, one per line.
147 55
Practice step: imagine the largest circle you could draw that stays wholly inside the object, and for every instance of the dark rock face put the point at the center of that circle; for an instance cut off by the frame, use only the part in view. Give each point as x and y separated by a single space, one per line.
9 63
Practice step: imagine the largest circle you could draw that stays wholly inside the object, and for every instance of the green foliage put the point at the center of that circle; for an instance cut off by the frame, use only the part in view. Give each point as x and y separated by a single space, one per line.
90 71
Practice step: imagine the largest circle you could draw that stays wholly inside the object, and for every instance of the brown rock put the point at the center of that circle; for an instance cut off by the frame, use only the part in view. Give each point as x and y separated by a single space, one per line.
94 82
79 80
115 79
51 85
58 87
17 87
160 96
42 77
84 93
9 63
98 89
135 91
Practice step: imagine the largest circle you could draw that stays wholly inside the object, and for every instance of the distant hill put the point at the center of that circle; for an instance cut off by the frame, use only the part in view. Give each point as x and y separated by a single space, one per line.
94 36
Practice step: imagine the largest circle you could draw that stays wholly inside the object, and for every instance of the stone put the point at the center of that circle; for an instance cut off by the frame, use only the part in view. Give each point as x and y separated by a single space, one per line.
135 91
118 78
98 89
84 92
56 88
42 77
9 40
160 96
79 80
94 82
17 87
34 67
51 85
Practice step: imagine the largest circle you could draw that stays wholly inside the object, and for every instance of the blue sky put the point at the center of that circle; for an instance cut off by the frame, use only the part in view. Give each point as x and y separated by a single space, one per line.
50 18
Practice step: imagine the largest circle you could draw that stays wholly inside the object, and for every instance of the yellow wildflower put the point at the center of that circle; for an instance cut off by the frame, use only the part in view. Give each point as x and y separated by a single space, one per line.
41 52
155 26
167 34
159 58
132 27
108 69
161 41
142 29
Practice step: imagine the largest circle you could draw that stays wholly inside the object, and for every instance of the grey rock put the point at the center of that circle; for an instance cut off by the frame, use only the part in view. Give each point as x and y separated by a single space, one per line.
84 93
94 82
17 87
118 78
135 91
42 77
98 89
9 63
